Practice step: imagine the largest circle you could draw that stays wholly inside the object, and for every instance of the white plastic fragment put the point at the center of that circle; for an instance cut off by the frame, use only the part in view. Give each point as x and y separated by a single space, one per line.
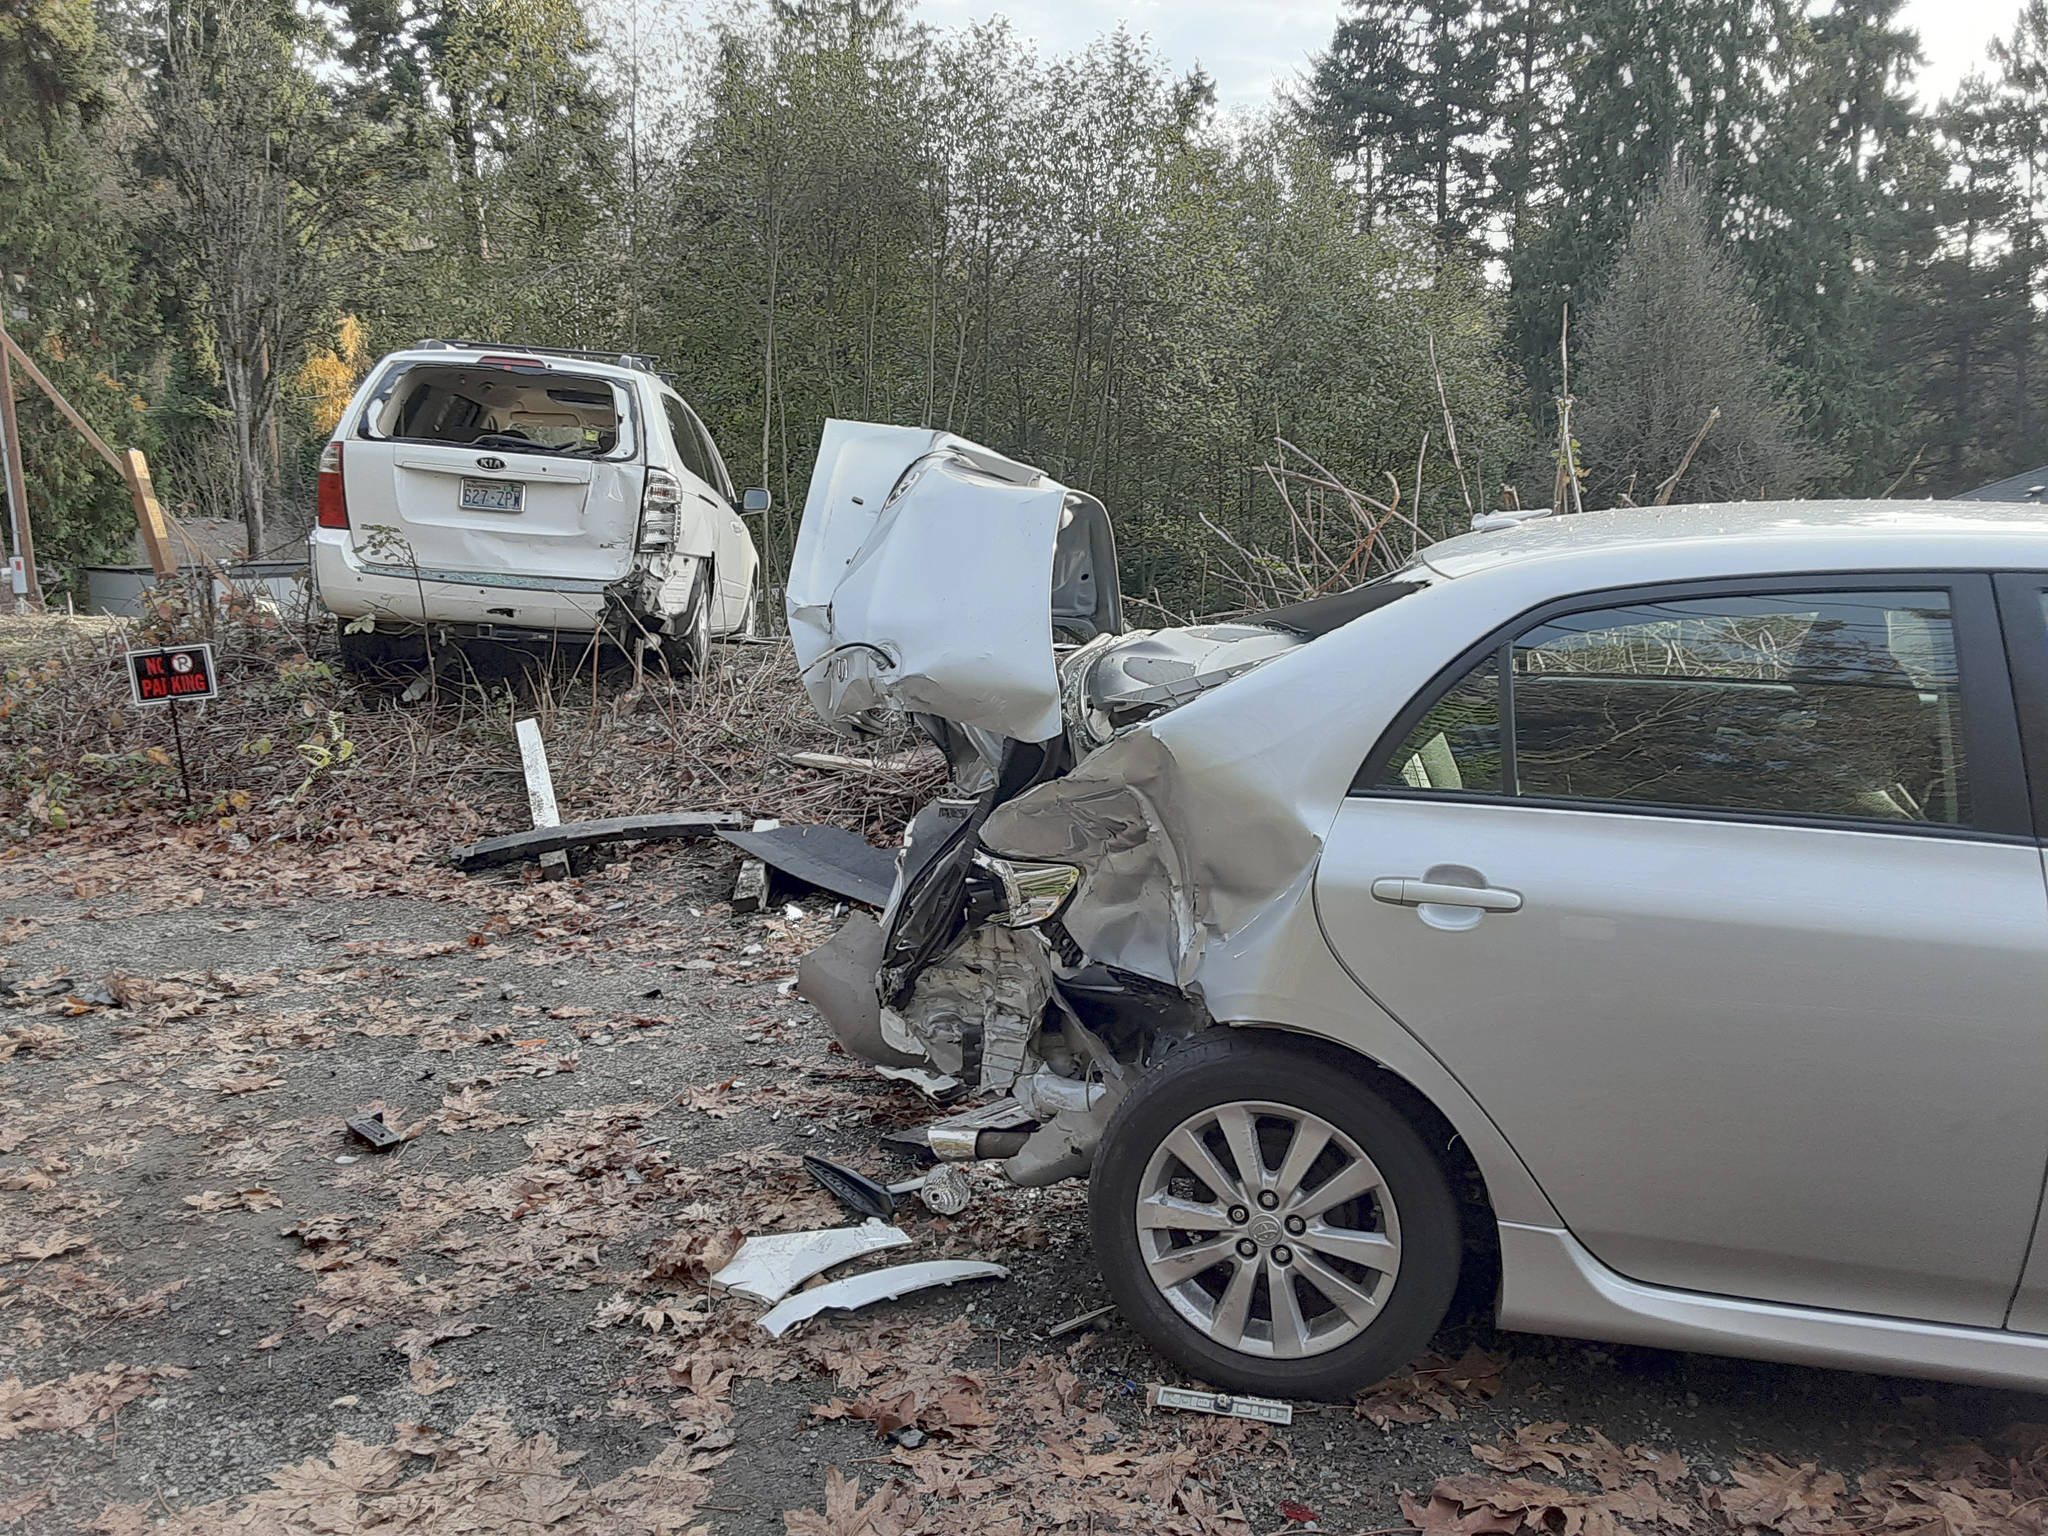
769 1268
933 1085
1263 1409
877 1285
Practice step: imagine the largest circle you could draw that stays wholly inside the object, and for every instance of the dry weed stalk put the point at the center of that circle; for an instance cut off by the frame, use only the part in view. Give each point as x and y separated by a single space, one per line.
267 757
1335 536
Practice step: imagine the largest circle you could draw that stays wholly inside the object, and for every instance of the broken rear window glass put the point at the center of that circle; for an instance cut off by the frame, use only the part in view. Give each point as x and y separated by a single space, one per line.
514 410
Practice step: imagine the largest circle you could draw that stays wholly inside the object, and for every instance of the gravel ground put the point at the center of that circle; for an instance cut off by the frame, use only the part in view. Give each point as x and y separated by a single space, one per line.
204 1280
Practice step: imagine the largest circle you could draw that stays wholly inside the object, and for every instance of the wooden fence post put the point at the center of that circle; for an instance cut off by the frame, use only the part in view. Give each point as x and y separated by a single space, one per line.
10 439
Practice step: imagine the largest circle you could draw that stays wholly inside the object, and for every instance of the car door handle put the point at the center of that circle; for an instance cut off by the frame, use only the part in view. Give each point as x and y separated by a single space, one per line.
1430 893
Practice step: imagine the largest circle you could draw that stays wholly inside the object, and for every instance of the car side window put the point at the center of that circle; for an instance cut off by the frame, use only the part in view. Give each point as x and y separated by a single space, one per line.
1839 705
683 429
717 479
1457 744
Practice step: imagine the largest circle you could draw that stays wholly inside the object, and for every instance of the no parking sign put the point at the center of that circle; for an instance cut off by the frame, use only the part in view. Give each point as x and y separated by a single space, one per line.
172 673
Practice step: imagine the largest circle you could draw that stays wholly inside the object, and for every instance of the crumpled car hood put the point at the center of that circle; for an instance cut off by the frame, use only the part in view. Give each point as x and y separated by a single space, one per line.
922 582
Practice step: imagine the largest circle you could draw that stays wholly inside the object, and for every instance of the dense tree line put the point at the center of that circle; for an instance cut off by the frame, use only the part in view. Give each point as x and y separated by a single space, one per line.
1891 247
215 213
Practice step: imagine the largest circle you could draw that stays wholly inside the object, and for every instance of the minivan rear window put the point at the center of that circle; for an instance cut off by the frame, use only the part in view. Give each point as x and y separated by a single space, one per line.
512 410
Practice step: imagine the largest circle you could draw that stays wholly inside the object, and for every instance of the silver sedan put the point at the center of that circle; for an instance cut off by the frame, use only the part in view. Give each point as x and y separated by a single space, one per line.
1649 903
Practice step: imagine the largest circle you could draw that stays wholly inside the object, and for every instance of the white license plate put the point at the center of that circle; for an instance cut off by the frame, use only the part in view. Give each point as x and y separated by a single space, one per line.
493 495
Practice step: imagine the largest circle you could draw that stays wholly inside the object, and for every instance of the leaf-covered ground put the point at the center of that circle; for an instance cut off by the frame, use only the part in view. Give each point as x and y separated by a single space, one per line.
219 1313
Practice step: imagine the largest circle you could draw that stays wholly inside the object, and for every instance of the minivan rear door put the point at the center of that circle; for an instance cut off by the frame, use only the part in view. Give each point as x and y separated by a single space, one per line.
462 469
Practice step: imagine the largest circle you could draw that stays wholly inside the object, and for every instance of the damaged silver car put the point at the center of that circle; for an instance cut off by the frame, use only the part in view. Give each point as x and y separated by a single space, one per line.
1647 906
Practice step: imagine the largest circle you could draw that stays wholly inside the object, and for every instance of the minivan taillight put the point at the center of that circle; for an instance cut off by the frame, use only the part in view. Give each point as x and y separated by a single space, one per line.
661 505
333 494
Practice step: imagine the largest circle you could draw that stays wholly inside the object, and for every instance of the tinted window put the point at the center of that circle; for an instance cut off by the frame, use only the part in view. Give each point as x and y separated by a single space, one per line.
689 447
718 479
1835 704
1457 744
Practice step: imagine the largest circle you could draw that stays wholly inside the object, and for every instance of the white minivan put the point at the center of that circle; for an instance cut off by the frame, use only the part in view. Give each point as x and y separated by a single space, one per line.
480 491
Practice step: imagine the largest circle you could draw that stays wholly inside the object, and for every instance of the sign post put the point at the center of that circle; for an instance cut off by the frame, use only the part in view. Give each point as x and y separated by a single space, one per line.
167 675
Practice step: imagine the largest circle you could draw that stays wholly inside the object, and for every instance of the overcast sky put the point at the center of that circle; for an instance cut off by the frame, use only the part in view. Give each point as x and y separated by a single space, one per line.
1248 45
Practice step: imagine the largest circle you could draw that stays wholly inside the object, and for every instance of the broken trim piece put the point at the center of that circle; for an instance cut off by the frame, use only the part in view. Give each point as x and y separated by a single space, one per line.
515 846
878 1285
766 1269
830 858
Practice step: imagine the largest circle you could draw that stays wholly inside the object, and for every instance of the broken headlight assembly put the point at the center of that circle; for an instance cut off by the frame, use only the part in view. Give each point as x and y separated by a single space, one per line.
1032 892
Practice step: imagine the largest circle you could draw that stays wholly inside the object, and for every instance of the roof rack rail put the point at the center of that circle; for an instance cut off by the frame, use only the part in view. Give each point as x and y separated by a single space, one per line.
645 362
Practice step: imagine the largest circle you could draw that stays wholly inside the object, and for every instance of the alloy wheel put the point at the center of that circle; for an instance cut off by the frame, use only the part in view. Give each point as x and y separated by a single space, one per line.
1268 1229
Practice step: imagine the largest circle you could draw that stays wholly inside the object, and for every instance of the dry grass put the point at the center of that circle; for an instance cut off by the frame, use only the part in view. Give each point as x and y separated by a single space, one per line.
295 746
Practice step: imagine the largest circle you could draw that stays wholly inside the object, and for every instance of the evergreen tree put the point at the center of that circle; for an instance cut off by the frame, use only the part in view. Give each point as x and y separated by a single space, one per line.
1411 94
1833 215
1672 343
1645 85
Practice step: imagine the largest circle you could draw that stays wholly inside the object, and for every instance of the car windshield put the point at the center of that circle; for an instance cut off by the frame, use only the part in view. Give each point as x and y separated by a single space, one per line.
517 410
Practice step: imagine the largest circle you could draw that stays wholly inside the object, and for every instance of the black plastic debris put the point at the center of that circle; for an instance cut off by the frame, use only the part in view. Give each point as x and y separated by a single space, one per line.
853 1189
829 858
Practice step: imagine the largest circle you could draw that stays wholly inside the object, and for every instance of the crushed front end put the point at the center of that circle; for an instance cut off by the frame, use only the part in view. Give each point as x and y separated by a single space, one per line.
1037 951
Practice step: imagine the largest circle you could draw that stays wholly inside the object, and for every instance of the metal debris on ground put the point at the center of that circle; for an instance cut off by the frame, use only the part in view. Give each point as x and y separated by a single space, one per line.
1075 1324
766 1269
936 1086
857 1291
1262 1409
956 1138
372 1130
944 1190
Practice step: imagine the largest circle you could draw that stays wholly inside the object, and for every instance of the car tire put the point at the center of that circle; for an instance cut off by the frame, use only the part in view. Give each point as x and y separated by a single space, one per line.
1349 1324
687 652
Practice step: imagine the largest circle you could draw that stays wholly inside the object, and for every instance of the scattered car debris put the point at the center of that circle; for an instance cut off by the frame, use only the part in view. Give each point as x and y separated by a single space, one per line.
540 793
983 1131
371 1130
829 858
1263 1409
936 1086
769 1268
1076 1324
516 846
944 1190
750 890
857 1291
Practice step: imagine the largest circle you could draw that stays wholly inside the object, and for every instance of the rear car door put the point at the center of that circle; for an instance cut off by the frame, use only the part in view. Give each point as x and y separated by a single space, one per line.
505 467
2023 609
1723 901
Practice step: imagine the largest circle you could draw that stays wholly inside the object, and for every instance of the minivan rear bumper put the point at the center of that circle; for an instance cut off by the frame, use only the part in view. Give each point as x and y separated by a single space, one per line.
352 588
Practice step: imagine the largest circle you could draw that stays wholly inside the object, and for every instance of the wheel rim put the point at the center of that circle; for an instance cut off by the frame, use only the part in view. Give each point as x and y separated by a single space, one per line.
1268 1229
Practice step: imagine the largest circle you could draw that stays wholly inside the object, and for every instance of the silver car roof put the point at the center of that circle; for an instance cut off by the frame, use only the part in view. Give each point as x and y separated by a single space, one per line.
1749 537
